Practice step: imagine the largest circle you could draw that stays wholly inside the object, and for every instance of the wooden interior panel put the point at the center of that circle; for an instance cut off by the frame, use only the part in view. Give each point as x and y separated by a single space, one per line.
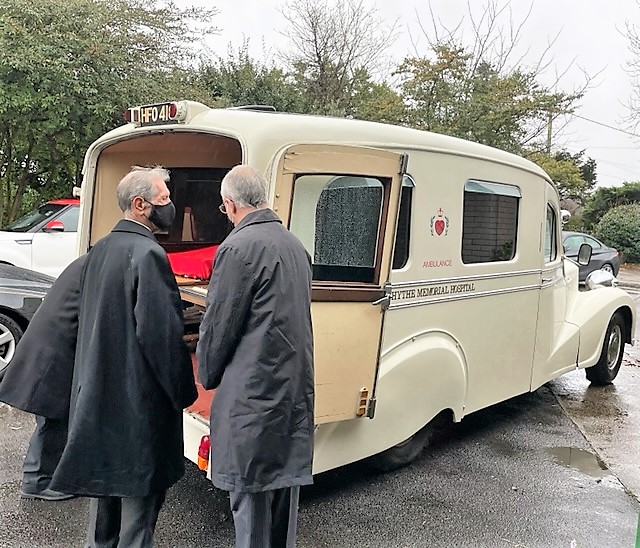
191 150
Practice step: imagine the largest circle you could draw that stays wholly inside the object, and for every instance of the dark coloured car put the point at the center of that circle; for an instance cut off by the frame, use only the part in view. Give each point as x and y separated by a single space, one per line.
602 256
21 293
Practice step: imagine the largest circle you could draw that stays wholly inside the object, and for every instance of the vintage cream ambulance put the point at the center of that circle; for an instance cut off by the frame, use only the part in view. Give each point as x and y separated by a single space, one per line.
440 285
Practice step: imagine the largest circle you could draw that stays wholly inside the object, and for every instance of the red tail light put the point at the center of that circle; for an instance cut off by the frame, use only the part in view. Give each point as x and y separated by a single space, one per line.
203 453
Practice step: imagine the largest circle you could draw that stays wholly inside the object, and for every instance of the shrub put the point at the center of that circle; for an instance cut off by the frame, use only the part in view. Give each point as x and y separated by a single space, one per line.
620 228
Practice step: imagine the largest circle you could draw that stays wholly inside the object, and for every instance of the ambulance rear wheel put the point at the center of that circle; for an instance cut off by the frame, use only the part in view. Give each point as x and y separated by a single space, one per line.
611 356
403 453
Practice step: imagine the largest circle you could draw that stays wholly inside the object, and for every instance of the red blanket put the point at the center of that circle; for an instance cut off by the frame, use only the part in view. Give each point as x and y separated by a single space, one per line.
197 263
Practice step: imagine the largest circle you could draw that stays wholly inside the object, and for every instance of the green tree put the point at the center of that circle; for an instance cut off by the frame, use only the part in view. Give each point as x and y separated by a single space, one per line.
70 68
618 228
606 198
573 175
473 81
457 94
240 79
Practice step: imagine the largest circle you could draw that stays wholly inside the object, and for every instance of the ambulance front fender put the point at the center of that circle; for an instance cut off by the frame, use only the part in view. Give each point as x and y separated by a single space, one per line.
591 311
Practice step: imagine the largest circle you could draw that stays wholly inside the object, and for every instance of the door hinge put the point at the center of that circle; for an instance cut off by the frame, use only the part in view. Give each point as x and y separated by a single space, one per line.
366 407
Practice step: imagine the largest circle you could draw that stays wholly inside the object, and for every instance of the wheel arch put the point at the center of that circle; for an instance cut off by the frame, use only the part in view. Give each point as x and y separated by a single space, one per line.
421 378
15 316
592 312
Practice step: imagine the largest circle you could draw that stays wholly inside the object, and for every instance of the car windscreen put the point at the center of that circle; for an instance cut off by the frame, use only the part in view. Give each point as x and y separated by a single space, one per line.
33 218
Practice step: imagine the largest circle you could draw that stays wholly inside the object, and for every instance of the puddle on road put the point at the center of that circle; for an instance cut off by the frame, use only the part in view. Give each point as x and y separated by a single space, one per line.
581 460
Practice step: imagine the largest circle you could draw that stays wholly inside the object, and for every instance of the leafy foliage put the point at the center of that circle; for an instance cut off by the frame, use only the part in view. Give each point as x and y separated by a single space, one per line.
567 172
458 94
618 227
69 69
239 79
606 198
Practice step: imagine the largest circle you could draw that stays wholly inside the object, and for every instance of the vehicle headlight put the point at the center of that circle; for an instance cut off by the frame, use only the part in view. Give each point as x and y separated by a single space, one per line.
600 278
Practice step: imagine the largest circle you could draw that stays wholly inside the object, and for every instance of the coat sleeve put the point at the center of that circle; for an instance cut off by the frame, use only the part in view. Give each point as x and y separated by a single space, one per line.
160 329
228 302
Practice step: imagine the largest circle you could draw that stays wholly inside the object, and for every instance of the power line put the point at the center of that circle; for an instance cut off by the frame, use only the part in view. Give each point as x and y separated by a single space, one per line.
607 126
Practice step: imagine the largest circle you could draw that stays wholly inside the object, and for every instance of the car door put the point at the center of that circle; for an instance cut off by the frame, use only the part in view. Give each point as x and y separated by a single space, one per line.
557 340
52 251
342 203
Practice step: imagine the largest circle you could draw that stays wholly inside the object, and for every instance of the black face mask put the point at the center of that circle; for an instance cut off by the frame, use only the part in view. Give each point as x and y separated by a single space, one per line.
162 215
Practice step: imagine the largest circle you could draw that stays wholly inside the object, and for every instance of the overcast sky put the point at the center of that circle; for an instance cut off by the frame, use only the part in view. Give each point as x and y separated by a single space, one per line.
590 39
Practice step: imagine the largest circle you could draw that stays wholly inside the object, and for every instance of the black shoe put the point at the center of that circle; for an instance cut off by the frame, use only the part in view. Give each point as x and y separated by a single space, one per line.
45 494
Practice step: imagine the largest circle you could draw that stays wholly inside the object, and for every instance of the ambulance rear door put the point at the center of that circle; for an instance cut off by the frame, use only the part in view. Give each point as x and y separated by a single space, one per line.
342 203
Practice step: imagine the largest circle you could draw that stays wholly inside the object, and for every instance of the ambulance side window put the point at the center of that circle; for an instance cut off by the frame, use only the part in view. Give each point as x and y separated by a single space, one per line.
490 222
550 239
337 218
403 231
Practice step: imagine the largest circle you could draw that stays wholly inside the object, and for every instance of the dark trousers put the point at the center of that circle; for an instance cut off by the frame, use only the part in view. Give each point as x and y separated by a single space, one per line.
267 519
44 452
128 522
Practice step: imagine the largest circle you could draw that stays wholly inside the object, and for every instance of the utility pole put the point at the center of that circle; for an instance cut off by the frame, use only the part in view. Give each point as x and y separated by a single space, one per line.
549 132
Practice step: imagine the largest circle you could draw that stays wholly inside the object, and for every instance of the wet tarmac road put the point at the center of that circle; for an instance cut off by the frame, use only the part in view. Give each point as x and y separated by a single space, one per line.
556 468
501 478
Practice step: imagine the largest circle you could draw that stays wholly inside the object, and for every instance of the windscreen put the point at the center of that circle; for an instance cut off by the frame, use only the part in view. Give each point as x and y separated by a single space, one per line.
34 218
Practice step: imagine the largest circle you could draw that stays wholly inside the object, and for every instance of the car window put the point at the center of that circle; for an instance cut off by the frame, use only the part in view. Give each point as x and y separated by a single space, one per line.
572 243
595 244
34 218
69 219
550 251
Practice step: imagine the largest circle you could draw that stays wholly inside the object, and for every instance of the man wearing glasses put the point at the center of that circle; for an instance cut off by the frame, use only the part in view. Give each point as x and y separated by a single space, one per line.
256 348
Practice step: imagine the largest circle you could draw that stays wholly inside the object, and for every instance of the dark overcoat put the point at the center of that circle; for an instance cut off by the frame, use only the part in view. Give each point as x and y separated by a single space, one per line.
132 374
256 347
38 379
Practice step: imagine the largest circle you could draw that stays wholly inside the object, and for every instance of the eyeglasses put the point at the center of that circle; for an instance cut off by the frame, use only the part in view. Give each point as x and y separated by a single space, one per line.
222 208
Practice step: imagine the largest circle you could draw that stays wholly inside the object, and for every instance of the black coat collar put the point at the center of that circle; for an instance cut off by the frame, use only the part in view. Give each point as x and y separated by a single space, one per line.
125 225
259 216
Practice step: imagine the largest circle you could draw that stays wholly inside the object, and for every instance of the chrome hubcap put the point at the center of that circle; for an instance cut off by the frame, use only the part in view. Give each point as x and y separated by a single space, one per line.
7 346
615 347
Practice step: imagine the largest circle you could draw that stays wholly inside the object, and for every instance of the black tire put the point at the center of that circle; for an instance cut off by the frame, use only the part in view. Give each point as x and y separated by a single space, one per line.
608 365
10 334
403 453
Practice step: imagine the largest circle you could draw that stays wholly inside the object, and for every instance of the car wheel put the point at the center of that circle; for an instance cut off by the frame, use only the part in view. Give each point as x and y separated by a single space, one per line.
403 453
608 365
607 267
10 334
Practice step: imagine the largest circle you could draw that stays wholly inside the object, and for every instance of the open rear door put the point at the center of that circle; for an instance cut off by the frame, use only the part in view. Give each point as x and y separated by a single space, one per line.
342 203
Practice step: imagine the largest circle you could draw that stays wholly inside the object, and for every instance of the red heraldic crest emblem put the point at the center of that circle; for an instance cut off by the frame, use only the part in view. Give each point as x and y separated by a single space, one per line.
439 224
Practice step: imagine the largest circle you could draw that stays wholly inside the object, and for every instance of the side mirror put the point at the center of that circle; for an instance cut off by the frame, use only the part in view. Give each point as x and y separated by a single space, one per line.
584 254
54 226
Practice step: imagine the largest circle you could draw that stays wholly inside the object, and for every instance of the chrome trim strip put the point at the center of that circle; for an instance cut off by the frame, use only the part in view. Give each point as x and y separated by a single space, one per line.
472 278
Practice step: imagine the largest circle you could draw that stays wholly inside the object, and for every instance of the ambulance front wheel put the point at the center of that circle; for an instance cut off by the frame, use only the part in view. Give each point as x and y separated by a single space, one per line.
608 365
403 453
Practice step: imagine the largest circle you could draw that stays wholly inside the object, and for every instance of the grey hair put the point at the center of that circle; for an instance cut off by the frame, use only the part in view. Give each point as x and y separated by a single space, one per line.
245 186
139 182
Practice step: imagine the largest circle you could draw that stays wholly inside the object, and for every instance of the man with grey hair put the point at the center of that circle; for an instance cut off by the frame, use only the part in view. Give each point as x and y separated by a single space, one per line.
256 348
132 373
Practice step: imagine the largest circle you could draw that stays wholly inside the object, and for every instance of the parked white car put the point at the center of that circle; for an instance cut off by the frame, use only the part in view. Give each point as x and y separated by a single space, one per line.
44 239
